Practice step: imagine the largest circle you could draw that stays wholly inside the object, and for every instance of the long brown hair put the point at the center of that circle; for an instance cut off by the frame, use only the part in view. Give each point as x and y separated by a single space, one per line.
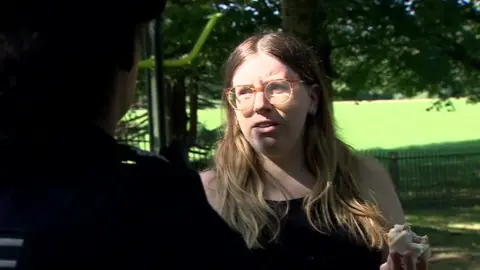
240 182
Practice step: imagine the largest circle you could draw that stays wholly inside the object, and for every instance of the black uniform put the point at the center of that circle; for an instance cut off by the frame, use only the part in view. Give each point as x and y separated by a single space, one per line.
73 198
79 200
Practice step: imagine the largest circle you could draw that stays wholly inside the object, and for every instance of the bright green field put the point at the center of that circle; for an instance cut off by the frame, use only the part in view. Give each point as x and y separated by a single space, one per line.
393 124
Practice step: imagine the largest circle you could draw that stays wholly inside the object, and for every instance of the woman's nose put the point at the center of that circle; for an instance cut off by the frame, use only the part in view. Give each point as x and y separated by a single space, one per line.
261 103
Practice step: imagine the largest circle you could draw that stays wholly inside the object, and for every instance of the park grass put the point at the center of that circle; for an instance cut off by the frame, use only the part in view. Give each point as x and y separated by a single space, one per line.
392 124
399 124
454 234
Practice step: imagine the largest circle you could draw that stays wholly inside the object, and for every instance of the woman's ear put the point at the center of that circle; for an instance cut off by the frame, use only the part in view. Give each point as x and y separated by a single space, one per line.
313 99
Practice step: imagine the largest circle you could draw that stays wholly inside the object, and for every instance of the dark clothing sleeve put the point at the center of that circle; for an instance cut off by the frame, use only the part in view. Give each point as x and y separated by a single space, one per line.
178 227
108 207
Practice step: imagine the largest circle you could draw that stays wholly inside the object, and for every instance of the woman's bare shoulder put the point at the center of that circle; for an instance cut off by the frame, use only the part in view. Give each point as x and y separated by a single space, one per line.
369 165
208 178
375 181
209 185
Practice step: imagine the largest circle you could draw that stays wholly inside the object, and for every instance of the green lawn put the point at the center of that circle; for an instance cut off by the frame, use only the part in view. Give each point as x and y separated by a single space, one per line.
393 124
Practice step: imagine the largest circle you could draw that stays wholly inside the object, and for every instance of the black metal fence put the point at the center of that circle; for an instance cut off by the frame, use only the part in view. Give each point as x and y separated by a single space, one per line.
201 157
422 180
428 179
133 128
432 179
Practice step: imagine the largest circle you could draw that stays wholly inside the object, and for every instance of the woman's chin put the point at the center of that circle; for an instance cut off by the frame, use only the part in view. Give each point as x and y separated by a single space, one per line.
268 146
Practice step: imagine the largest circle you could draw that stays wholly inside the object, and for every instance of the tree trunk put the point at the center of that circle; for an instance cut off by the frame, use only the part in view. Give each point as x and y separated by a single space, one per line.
193 105
168 95
177 108
306 19
177 150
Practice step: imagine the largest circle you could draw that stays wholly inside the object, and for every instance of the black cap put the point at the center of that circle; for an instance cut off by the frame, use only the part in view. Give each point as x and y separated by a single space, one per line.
61 14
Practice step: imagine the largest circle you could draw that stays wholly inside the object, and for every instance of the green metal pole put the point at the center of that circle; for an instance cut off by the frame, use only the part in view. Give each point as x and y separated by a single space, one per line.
157 95
185 60
147 51
158 127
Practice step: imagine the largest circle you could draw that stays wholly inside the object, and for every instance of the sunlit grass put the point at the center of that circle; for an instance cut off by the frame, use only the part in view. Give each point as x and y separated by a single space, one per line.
393 124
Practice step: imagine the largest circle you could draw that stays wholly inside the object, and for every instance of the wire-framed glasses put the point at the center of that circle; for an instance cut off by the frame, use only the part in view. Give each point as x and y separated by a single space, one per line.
277 92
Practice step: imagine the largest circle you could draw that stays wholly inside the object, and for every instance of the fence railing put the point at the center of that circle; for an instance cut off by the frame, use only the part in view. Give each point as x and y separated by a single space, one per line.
433 179
421 179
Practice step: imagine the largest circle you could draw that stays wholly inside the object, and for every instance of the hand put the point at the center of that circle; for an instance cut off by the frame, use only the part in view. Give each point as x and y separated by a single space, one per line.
397 261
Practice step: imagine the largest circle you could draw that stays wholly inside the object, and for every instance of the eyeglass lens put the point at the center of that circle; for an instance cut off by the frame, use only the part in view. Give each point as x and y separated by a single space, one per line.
276 92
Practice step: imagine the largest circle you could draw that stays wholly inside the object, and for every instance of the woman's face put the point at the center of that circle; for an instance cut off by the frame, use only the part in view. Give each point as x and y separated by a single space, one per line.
273 130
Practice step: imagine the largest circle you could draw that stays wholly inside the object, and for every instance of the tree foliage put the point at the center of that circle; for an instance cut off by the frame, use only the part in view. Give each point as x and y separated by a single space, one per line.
406 47
383 47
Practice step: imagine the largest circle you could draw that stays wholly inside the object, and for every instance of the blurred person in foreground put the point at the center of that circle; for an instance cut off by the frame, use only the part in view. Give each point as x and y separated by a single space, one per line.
71 197
282 178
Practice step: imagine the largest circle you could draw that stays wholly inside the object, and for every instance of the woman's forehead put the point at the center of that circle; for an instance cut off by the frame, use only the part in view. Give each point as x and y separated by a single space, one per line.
260 68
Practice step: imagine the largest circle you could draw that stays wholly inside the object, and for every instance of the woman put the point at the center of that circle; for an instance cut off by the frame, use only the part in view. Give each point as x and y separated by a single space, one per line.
283 179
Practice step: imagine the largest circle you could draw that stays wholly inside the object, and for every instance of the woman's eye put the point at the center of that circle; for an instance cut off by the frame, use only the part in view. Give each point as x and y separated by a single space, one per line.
243 91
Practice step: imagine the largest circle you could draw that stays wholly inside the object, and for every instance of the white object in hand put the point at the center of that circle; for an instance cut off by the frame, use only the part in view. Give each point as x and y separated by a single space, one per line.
401 239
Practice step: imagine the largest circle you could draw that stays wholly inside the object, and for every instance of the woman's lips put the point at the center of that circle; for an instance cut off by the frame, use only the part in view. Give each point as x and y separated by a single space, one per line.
266 128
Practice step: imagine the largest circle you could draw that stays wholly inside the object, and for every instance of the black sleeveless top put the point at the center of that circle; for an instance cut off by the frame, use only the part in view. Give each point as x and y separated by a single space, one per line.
300 246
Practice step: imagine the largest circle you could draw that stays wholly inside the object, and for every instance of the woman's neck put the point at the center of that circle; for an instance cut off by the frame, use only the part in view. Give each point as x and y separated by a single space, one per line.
287 175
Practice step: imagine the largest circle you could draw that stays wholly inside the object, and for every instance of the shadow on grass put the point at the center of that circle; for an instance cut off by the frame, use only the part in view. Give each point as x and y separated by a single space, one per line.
453 250
471 146
454 233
